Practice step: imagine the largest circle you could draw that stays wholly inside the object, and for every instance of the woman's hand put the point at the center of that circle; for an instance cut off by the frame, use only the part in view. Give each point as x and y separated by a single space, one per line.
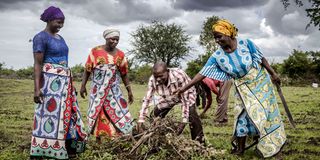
83 92
38 62
130 97
38 97
275 79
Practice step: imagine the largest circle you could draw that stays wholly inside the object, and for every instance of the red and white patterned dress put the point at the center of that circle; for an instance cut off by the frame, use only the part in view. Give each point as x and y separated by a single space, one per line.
108 112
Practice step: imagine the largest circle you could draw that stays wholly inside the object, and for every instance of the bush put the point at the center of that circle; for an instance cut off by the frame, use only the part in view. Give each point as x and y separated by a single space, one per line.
140 74
5 72
77 72
25 73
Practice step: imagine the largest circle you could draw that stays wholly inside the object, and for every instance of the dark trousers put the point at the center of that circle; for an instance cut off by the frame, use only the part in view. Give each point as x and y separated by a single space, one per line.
195 123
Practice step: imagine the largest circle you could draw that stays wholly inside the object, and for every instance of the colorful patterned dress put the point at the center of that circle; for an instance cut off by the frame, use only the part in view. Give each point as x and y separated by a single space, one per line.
108 112
57 129
256 109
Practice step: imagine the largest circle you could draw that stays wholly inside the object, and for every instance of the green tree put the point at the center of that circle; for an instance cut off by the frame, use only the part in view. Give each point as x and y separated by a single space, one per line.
2 64
313 12
315 63
208 42
277 67
206 35
140 74
78 68
297 65
160 42
193 67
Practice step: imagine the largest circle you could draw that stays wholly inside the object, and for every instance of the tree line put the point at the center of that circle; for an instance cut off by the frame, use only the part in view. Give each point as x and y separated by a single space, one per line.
299 69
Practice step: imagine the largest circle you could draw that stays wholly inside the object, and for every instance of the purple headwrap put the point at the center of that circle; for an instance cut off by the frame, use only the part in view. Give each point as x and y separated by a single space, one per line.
51 13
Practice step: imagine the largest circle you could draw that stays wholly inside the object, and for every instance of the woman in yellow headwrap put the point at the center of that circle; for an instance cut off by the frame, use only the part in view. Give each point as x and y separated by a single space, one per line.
256 110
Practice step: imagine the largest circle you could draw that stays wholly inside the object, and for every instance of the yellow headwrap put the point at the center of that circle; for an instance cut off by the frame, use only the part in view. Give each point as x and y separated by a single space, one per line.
225 27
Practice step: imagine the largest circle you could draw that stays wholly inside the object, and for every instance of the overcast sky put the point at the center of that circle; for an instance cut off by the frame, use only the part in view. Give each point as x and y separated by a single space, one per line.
275 30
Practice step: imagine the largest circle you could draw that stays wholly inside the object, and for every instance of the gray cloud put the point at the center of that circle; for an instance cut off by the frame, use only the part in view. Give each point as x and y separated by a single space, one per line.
5 3
275 30
125 11
16 4
290 22
311 43
105 12
211 5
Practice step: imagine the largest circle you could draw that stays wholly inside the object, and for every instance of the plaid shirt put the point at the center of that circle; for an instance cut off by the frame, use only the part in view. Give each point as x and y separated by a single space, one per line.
176 79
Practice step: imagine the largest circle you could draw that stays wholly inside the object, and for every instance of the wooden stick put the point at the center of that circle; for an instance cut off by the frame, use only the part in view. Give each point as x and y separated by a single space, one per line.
141 140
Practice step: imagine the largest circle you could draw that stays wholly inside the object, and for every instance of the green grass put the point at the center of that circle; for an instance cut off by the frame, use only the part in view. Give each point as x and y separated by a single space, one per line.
16 112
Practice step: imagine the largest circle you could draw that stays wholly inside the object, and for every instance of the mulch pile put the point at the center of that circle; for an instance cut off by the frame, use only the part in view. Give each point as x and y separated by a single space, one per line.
158 141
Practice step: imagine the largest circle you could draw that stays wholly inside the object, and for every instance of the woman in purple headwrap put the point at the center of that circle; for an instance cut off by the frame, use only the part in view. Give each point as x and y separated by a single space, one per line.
57 129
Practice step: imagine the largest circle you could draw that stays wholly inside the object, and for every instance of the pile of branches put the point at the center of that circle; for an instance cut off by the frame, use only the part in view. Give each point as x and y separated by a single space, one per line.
159 140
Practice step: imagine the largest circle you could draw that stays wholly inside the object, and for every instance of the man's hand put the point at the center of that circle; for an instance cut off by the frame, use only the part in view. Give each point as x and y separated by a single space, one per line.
83 91
206 108
178 92
38 97
180 128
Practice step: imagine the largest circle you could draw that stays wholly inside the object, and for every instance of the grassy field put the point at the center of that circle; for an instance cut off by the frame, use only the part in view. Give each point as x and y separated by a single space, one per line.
16 112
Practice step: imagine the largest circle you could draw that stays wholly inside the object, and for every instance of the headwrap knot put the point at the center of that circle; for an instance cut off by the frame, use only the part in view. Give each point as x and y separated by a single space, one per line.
225 27
51 13
108 33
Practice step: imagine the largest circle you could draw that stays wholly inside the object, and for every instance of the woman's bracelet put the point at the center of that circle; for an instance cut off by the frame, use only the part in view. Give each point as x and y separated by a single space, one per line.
127 86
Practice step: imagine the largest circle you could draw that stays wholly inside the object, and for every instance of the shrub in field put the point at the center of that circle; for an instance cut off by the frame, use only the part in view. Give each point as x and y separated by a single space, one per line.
302 68
77 72
5 72
25 73
140 75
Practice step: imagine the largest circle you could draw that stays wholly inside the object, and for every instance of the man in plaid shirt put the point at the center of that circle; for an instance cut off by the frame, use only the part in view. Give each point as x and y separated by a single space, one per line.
161 88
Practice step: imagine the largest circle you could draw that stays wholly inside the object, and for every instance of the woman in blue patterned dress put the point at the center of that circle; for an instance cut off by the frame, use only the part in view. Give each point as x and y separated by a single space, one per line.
256 111
57 129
